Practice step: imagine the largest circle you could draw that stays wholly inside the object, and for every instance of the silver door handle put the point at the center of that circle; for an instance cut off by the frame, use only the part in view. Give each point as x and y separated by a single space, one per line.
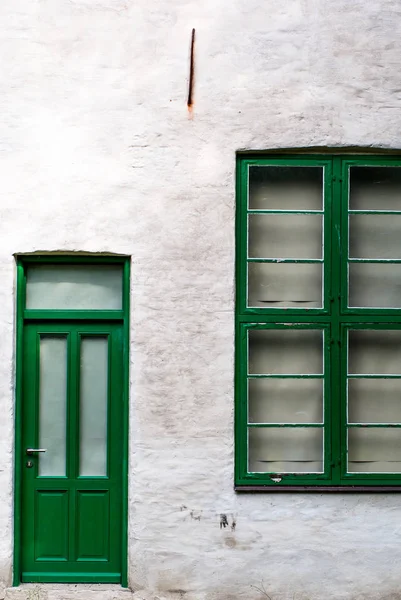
33 450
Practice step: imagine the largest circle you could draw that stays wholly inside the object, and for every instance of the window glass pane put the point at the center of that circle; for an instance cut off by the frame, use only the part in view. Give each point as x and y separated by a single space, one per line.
375 285
374 450
375 188
374 352
93 406
285 351
286 188
375 236
374 400
285 285
285 400
285 236
52 405
281 450
85 287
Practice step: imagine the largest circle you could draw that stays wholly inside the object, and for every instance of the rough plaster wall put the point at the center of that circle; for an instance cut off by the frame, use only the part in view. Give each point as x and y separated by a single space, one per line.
99 154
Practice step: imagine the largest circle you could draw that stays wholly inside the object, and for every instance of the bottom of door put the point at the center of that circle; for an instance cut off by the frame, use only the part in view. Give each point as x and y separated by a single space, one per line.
71 577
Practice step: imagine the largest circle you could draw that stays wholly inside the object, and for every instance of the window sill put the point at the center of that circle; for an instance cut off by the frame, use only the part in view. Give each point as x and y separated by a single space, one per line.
318 488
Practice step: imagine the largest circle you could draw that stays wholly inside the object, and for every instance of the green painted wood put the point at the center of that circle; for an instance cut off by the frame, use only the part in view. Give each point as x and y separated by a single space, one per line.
51 525
114 324
72 524
335 317
93 517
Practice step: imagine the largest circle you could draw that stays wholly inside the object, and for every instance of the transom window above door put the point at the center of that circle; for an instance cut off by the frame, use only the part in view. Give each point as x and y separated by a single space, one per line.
318 318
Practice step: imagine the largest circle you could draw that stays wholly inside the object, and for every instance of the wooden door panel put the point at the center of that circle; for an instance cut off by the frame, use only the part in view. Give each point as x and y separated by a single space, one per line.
51 525
93 525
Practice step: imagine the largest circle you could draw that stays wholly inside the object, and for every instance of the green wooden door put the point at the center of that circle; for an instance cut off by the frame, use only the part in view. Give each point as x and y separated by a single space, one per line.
72 492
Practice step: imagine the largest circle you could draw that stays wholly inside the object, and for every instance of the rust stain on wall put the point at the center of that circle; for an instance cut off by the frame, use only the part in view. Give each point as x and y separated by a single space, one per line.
190 101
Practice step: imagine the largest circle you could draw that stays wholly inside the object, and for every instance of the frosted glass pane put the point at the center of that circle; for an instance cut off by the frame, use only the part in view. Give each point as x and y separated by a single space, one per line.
285 285
285 401
375 352
280 450
74 287
375 285
375 236
374 450
274 351
374 400
52 405
375 188
285 236
286 188
93 406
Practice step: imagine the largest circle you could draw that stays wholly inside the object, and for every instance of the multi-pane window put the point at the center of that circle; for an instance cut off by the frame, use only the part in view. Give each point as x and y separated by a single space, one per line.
318 358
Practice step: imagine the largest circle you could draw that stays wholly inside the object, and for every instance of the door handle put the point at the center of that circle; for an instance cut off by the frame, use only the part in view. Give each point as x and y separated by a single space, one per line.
31 451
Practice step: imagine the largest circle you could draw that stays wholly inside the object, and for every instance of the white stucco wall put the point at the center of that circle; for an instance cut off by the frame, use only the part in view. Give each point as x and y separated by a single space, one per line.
100 154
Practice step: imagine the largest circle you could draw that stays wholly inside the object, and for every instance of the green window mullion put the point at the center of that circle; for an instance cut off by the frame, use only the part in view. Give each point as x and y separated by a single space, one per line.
73 404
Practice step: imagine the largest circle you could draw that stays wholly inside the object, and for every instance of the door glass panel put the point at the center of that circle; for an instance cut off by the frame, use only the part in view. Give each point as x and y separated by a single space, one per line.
285 236
285 351
52 405
285 400
375 285
79 287
374 450
285 285
281 450
374 400
374 352
375 236
286 188
375 188
93 406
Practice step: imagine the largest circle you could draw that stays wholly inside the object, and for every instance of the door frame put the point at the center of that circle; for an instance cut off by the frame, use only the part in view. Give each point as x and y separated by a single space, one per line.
22 261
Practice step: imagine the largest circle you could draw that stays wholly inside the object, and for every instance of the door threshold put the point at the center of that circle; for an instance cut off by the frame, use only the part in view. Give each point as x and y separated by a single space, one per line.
69 591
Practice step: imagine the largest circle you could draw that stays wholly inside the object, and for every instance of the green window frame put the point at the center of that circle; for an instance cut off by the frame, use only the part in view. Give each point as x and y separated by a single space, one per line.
353 443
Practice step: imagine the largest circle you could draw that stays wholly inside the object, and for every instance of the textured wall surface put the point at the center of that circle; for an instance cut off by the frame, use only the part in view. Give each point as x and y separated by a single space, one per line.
99 154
